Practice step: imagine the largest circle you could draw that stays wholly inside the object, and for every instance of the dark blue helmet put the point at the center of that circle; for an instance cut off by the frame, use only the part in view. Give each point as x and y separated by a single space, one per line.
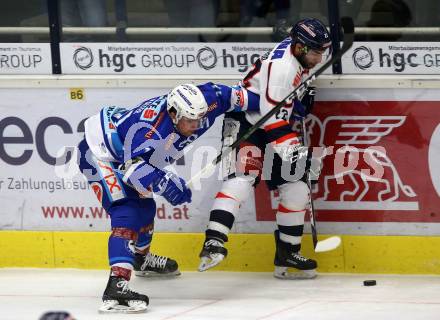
312 33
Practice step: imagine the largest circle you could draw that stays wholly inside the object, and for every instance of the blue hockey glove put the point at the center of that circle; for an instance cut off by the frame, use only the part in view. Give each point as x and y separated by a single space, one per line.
172 188
304 107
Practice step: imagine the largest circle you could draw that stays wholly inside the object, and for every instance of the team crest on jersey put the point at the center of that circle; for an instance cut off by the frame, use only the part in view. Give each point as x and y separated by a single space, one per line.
151 112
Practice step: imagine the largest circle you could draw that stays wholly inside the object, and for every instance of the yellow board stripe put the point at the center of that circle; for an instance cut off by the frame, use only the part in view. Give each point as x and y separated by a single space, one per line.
247 252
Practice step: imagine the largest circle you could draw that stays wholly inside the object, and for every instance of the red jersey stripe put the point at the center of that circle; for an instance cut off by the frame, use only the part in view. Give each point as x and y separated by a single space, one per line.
283 209
291 135
276 125
224 196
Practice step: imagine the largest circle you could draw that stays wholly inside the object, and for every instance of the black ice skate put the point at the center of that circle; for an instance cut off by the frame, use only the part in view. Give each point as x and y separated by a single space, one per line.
213 252
118 298
286 257
152 265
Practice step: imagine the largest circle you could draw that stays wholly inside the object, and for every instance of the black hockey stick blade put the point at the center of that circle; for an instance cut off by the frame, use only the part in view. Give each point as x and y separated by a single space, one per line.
348 26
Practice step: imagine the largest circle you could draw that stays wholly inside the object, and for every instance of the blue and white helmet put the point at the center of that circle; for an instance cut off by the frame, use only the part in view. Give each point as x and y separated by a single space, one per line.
312 33
187 101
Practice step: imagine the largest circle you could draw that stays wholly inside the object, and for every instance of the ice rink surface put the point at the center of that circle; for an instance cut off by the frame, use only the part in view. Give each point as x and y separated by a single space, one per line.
27 293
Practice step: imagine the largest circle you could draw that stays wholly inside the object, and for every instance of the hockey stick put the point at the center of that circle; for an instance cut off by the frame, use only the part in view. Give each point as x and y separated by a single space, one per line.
348 26
329 243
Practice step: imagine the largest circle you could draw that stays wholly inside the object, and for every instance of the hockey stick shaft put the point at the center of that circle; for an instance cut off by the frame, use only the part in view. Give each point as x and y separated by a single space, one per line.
309 185
329 243
348 26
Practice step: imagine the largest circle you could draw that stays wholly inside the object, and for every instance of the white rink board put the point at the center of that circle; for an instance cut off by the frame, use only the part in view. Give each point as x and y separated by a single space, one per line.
161 58
25 58
392 58
396 58
49 122
47 119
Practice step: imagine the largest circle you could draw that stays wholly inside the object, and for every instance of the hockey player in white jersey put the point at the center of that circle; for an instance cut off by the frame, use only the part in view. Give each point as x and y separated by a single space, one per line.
273 77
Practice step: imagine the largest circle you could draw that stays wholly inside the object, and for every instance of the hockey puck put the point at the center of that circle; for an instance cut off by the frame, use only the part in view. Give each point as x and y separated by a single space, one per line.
369 283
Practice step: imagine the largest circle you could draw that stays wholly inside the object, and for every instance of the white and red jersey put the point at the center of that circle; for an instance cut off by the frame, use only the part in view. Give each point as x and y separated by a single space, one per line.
273 77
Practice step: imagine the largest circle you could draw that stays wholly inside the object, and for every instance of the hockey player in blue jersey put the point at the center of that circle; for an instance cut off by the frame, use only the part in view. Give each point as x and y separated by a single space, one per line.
124 155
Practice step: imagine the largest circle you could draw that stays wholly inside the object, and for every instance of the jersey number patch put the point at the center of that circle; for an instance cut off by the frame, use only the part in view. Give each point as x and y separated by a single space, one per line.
282 114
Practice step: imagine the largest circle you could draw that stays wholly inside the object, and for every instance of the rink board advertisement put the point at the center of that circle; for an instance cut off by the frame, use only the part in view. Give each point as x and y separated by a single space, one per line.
37 128
392 58
383 166
391 127
25 58
237 58
160 58
206 58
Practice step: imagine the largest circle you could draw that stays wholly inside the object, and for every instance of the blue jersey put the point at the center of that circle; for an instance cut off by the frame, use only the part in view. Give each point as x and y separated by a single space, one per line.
149 126
147 131
151 121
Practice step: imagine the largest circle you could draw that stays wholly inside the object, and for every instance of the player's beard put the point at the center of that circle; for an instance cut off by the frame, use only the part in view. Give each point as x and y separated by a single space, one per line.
303 62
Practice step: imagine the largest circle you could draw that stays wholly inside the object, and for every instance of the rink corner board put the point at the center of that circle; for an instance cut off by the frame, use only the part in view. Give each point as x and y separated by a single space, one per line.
247 252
